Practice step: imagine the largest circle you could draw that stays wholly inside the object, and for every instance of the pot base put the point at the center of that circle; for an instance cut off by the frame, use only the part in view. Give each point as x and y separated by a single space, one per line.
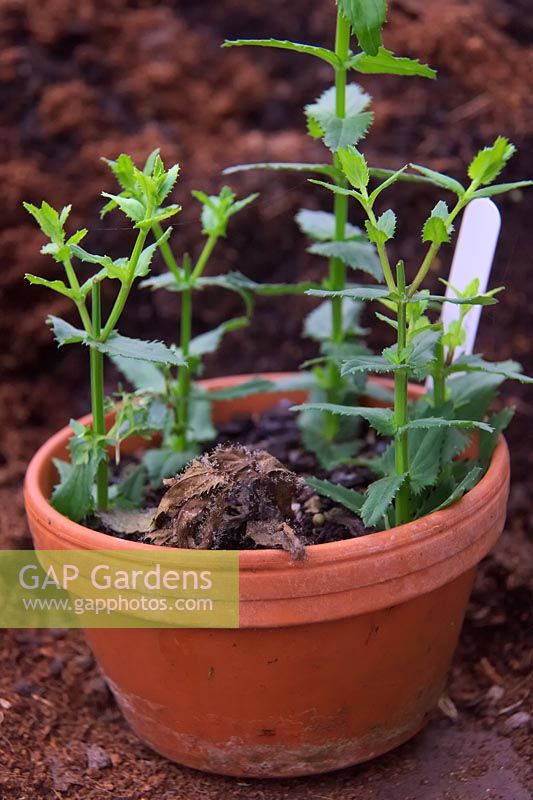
283 702
237 760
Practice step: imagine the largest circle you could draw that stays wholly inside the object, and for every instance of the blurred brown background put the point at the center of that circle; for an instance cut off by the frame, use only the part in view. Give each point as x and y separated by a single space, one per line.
80 79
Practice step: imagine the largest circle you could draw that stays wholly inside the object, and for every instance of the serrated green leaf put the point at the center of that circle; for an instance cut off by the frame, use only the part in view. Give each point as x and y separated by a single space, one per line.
439 179
56 286
167 183
160 216
399 174
489 162
488 441
236 281
143 375
130 207
253 386
436 228
366 18
333 187
145 259
425 447
354 166
379 418
355 293
348 498
329 454
283 44
357 255
150 161
422 354
49 220
379 497
321 169
501 188
456 441
217 209
384 229
73 495
155 352
129 493
59 252
209 342
64 332
343 351
77 237
435 231
370 364
426 423
386 63
387 223
318 324
166 280
320 225
164 462
341 132
510 370
468 482
200 425
344 131
480 300
473 393
91 258
124 170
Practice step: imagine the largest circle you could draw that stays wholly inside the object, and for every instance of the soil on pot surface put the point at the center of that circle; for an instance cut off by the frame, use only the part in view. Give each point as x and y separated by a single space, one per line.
248 492
85 79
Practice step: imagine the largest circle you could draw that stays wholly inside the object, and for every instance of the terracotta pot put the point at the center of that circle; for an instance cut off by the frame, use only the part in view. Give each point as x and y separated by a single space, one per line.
337 659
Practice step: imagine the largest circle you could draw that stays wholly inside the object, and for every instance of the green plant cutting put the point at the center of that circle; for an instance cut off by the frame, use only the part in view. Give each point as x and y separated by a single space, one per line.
181 406
340 116
419 474
84 482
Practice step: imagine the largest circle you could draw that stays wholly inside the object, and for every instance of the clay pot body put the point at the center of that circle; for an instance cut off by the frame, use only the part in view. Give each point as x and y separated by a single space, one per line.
337 659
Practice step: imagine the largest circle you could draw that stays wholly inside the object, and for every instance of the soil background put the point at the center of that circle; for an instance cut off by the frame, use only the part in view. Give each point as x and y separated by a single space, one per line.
80 79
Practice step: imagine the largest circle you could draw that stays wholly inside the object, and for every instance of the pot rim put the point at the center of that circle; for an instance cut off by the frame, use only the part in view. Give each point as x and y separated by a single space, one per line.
372 543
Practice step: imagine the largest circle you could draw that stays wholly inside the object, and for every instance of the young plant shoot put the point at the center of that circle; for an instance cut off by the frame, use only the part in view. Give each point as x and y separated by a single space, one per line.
83 485
184 407
340 117
420 471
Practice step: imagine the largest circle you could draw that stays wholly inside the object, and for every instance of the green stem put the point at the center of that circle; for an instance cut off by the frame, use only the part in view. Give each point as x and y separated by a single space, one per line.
74 284
439 377
380 247
166 252
424 268
125 288
204 256
401 442
434 247
97 398
337 269
184 375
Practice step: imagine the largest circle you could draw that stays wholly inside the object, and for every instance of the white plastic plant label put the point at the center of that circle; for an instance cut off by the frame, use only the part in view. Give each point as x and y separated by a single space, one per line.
473 257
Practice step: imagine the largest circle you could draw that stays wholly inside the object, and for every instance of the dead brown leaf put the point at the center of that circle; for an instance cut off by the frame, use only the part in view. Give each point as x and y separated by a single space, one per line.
224 497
